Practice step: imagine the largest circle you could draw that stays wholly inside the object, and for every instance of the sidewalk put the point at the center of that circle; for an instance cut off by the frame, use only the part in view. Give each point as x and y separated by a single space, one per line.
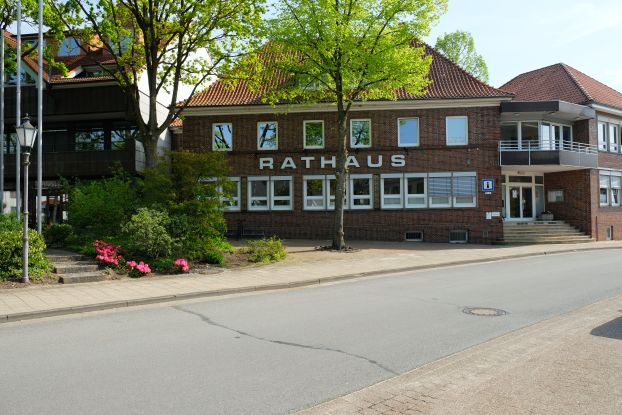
303 266
571 364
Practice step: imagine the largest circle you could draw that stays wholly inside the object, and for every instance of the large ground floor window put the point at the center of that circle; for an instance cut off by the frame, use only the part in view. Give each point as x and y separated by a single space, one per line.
609 189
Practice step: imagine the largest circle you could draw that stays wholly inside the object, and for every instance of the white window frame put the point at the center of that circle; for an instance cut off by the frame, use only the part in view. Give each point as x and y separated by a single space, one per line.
323 197
399 135
456 204
214 147
236 198
614 138
274 198
602 174
603 142
466 130
251 198
611 188
555 196
449 196
304 134
383 204
423 205
354 197
352 145
276 123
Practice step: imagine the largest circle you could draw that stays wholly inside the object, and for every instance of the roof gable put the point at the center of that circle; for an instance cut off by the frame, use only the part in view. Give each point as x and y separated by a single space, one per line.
564 83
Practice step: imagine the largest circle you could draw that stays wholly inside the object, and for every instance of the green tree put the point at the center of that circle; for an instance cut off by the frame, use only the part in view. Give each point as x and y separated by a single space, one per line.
189 186
459 47
8 15
168 43
343 52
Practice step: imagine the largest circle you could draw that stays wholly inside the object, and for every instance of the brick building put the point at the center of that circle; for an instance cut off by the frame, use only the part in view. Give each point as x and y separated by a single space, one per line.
564 126
88 123
419 166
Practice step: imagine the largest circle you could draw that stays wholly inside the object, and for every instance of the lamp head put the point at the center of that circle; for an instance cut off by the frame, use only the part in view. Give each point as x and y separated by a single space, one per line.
26 133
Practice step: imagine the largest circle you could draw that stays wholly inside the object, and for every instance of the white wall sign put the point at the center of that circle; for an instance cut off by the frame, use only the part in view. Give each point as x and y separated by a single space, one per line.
324 162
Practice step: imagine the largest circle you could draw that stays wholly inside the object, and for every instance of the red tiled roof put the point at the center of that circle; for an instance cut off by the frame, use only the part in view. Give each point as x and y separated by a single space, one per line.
562 82
448 81
31 63
96 57
177 122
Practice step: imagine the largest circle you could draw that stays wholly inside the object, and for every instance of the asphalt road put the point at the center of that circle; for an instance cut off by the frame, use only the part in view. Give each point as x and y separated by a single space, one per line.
274 353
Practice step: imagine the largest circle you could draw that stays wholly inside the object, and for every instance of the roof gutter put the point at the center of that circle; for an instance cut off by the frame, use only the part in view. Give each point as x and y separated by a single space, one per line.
357 106
607 109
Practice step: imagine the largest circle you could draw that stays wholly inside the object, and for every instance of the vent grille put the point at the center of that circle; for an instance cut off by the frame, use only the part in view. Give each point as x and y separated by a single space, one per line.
413 236
458 237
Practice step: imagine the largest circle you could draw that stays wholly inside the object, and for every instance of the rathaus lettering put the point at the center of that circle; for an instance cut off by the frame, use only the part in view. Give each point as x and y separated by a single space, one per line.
330 162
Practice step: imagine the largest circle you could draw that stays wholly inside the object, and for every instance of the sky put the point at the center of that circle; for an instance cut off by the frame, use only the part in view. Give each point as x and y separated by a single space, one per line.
521 35
516 36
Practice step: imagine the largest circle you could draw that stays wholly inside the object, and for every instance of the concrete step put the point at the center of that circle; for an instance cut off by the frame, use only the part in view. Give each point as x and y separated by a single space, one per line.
67 258
540 231
549 239
526 242
75 267
79 277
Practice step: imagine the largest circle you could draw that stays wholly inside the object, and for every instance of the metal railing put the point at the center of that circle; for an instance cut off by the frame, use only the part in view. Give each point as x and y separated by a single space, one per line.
548 145
572 152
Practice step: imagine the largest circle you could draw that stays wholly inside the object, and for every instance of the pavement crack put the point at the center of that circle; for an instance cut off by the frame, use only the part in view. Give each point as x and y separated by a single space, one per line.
211 322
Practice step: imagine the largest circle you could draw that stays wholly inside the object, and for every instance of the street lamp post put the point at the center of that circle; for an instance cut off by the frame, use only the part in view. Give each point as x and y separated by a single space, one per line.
26 134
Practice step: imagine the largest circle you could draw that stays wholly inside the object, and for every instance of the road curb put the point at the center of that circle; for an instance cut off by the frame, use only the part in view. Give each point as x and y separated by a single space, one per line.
31 315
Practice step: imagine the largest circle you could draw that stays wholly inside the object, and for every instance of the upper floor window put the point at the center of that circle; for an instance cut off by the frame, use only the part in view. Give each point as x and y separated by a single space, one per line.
90 140
222 137
457 131
602 136
120 137
314 134
267 135
614 138
408 132
69 47
360 133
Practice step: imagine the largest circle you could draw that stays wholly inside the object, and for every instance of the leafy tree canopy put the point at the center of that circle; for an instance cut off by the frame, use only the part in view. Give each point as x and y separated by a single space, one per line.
166 44
459 47
350 50
344 51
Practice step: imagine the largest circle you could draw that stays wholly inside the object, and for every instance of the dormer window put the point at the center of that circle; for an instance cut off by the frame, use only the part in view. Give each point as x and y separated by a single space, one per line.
69 47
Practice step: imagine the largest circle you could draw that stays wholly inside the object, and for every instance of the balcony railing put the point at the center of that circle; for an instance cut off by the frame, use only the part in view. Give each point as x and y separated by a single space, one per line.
548 152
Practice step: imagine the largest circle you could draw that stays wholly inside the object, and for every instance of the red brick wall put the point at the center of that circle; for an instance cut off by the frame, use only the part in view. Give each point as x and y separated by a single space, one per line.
576 209
584 131
480 155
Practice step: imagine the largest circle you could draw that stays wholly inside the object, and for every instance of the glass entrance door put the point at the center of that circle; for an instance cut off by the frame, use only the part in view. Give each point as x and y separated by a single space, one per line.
520 202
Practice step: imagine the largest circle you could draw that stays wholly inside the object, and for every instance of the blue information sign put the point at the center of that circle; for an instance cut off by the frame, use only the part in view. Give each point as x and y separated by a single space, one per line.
488 185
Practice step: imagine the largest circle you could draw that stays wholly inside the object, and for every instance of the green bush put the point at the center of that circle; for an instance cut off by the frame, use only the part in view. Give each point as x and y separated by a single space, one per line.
147 236
98 209
56 235
9 222
266 250
166 265
11 236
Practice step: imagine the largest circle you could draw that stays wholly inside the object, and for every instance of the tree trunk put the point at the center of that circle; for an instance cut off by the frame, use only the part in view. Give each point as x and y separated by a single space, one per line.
339 242
151 151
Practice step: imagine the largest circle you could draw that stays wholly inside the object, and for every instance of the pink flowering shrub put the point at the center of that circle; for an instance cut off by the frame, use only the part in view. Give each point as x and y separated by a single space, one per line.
107 253
182 264
137 269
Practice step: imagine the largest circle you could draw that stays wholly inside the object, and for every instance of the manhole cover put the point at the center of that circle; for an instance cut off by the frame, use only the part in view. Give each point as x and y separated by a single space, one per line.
484 311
